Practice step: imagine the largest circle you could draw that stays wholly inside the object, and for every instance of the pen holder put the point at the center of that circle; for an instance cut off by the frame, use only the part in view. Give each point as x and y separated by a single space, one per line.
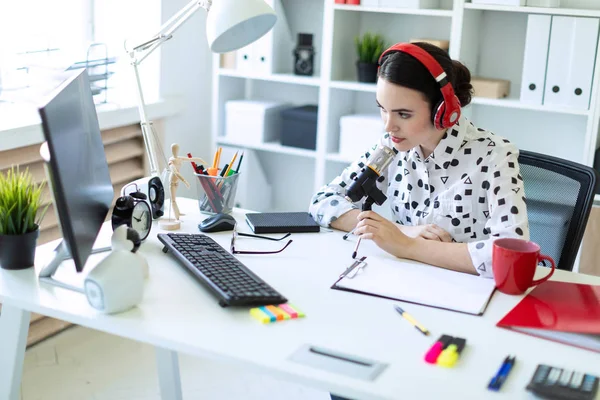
216 194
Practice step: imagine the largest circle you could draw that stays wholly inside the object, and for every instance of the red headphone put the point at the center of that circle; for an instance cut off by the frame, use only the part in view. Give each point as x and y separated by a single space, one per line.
447 111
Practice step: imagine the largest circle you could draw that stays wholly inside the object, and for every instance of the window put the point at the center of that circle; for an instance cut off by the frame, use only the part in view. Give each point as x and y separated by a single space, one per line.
41 38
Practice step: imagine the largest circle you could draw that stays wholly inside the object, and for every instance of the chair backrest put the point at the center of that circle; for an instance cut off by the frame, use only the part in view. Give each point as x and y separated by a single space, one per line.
559 196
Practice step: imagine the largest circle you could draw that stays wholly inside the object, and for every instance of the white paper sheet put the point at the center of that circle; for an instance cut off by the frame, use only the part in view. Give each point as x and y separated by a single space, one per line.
420 283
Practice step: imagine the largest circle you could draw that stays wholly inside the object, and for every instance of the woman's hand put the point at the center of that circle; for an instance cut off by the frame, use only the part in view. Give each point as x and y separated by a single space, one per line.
383 232
429 232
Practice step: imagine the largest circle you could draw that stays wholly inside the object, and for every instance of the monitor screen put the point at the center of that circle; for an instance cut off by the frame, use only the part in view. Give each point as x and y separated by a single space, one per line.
78 170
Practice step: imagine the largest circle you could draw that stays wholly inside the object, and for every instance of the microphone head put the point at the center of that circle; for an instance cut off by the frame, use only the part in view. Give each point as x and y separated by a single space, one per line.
364 181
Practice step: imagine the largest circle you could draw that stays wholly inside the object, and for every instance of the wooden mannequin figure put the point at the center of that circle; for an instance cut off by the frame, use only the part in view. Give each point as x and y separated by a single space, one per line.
175 176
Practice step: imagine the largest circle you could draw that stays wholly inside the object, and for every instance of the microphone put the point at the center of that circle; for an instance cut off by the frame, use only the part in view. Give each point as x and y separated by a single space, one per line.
365 182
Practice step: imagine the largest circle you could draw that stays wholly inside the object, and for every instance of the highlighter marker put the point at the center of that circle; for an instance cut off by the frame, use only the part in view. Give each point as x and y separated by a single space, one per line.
289 310
449 356
433 353
275 311
260 315
269 313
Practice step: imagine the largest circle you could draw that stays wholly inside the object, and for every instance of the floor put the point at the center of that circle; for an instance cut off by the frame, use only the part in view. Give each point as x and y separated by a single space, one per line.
82 364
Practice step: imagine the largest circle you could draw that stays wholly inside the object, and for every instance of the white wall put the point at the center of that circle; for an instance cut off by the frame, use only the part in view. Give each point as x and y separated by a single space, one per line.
186 73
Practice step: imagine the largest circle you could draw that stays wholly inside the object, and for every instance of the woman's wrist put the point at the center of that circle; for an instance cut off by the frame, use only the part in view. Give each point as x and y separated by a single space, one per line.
407 247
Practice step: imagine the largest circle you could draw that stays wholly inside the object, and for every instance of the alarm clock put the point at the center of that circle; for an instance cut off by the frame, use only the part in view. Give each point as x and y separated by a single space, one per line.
134 211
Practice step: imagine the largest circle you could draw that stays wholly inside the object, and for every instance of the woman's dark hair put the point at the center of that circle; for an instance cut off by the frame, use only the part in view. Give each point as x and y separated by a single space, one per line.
405 70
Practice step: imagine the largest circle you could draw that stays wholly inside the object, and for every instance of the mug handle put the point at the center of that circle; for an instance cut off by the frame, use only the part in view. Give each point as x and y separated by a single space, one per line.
544 279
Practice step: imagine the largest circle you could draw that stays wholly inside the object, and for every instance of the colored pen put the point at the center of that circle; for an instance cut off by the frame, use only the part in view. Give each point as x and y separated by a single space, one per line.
410 319
194 165
348 234
230 165
355 252
497 381
239 163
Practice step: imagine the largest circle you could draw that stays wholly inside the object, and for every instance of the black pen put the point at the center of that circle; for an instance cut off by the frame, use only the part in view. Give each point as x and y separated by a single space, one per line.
356 248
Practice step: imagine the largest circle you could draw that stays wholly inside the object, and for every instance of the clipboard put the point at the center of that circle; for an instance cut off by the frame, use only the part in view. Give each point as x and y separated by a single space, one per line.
410 281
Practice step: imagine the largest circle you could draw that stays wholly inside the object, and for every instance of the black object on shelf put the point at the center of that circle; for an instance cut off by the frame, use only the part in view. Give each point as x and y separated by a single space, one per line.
304 55
299 127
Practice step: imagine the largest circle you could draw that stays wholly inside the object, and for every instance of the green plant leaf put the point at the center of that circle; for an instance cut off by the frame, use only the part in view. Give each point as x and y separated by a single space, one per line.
20 200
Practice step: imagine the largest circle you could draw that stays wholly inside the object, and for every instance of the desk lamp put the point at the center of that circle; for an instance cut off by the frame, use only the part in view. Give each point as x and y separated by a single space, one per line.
230 25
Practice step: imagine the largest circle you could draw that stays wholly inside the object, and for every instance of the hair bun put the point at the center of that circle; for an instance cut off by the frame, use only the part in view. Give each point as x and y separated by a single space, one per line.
461 83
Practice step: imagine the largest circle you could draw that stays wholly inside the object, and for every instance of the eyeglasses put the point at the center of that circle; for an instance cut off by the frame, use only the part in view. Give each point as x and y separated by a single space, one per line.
236 234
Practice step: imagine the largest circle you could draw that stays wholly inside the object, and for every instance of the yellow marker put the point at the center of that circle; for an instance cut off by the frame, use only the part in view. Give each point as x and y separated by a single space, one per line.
448 357
260 315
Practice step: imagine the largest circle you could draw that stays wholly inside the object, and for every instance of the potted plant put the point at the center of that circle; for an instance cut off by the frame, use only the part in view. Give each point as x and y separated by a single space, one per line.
20 217
368 47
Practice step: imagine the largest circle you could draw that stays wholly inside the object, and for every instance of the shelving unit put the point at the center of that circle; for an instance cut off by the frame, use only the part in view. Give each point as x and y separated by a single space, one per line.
490 40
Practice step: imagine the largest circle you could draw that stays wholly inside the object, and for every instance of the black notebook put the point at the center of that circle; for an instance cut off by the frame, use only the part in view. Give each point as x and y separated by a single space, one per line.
282 222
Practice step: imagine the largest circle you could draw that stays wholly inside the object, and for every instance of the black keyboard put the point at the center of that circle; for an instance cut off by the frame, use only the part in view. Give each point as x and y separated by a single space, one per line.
230 280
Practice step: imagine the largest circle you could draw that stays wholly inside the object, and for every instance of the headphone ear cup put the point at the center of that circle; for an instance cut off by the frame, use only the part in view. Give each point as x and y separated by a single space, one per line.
453 112
438 115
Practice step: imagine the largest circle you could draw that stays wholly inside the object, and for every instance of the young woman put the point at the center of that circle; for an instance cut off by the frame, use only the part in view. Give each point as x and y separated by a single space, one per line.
453 188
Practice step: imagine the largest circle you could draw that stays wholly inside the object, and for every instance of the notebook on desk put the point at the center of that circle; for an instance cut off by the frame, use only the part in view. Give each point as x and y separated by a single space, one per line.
282 222
564 312
415 282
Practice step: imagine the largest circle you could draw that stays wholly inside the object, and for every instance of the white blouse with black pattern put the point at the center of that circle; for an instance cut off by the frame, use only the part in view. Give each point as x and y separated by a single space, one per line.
469 186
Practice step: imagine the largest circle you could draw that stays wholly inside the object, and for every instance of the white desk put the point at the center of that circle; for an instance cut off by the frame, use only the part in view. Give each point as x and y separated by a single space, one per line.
179 315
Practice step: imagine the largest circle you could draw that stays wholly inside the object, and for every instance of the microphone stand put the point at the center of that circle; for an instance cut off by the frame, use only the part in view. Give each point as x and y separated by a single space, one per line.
374 196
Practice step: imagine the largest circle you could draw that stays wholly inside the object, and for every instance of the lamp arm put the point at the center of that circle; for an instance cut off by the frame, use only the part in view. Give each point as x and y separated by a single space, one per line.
146 48
166 31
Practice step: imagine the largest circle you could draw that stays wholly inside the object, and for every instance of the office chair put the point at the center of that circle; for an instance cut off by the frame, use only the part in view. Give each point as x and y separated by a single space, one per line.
559 196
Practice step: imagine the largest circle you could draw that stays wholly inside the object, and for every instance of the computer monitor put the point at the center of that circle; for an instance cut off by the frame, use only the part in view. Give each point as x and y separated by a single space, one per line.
77 170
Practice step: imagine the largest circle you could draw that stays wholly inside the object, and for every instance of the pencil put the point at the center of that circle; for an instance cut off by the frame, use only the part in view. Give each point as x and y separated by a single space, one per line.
413 321
230 165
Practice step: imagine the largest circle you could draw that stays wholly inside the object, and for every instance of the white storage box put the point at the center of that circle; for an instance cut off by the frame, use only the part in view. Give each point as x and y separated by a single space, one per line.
252 122
358 133
500 2
369 3
410 3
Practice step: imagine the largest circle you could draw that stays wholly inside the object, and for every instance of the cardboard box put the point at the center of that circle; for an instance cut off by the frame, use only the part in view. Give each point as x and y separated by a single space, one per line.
490 88
227 60
442 44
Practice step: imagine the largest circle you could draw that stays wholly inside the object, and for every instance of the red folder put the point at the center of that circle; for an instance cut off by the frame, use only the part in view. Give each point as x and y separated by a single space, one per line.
564 312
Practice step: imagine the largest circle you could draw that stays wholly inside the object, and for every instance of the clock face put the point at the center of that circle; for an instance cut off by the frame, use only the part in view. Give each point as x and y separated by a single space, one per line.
141 219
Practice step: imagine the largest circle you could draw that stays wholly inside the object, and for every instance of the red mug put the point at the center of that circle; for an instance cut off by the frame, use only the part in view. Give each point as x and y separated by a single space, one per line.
514 262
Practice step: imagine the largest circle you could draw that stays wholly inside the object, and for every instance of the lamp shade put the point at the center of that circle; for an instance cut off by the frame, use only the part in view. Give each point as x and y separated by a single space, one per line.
233 24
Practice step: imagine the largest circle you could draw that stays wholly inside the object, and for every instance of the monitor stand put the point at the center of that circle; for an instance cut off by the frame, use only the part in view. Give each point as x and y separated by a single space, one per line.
61 253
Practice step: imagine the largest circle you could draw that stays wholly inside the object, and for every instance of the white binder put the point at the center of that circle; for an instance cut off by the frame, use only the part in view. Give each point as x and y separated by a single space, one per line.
583 60
273 52
571 59
243 59
535 58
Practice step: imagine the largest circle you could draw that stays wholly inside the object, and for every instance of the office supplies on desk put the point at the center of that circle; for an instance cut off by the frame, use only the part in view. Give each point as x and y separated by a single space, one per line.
562 384
498 380
352 269
450 355
355 252
561 311
412 321
436 349
415 282
347 234
445 352
217 223
223 274
282 222
271 313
